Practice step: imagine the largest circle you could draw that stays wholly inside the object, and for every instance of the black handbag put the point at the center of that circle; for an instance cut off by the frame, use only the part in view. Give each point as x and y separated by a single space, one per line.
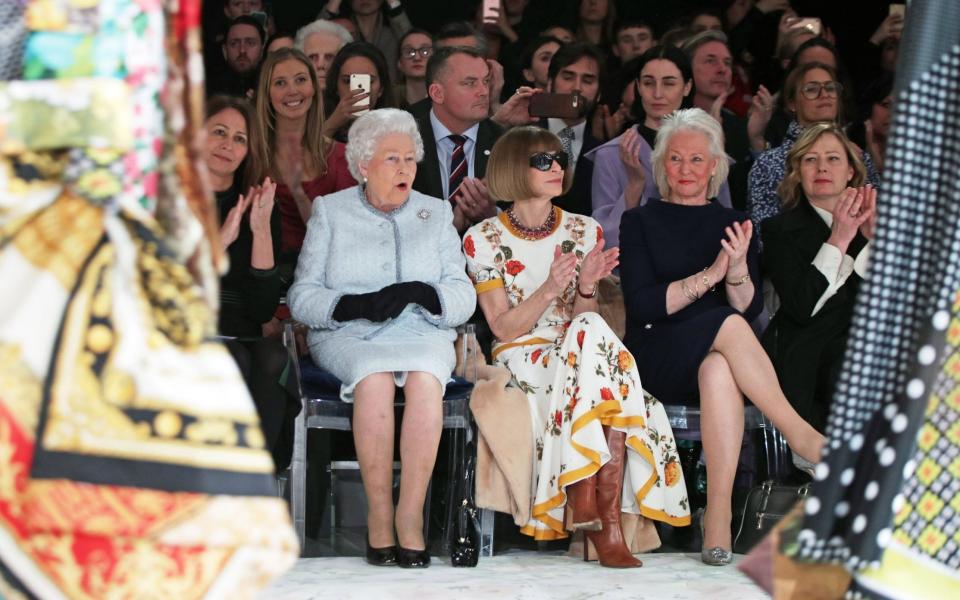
465 545
765 506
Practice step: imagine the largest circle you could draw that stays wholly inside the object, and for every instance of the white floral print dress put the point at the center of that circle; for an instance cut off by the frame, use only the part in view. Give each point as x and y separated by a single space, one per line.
578 376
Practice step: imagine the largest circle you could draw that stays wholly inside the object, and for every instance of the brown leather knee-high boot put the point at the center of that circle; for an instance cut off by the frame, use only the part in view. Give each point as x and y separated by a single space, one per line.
609 543
581 510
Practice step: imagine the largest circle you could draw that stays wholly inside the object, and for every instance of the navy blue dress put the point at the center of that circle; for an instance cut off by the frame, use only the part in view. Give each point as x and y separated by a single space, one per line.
662 242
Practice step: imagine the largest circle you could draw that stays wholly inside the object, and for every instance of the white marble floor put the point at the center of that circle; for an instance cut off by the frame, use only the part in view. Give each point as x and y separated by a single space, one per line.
521 575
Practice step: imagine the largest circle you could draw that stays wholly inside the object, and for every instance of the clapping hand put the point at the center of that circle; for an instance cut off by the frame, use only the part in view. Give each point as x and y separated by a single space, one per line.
261 206
473 200
849 215
737 244
629 149
761 110
562 270
869 226
230 228
597 264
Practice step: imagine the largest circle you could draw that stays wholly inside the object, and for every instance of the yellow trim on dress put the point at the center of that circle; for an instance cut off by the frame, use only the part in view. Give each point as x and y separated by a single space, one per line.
903 571
534 341
490 284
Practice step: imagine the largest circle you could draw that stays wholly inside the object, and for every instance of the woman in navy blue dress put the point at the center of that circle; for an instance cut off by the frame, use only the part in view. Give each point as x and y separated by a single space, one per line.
688 267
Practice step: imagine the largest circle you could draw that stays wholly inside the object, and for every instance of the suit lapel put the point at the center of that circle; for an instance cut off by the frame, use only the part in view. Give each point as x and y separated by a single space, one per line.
428 180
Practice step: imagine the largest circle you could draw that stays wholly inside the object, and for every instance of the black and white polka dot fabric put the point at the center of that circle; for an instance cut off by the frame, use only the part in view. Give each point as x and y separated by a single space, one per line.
896 361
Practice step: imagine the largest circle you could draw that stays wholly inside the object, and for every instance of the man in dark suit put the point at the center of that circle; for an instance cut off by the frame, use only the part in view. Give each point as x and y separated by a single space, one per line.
457 133
576 69
712 64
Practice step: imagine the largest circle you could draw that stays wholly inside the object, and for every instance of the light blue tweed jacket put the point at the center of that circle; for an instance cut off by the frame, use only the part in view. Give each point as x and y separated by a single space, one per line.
353 248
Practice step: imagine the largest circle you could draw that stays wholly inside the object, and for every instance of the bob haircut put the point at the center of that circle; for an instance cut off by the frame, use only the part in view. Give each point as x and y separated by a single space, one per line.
690 119
791 187
314 143
791 87
368 131
508 170
250 171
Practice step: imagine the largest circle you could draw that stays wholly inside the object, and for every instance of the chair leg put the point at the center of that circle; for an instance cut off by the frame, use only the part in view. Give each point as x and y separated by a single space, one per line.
298 479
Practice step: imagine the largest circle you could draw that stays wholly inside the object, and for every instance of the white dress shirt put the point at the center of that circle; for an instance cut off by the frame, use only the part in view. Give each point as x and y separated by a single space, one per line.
836 267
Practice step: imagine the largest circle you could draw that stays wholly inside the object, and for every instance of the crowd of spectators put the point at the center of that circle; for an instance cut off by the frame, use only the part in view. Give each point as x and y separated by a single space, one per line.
286 85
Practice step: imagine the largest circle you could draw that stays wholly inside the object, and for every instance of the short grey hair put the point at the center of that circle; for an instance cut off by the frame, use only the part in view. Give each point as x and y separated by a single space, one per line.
690 119
368 131
693 44
321 26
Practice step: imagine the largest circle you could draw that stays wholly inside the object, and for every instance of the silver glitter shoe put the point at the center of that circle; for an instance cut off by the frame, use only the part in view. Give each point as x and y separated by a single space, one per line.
716 556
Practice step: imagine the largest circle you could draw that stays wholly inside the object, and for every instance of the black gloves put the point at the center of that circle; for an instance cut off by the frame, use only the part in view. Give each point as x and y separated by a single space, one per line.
387 303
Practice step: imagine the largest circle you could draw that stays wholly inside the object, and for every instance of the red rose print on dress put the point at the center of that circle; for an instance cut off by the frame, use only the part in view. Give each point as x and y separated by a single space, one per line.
606 393
580 335
535 355
558 418
514 267
468 246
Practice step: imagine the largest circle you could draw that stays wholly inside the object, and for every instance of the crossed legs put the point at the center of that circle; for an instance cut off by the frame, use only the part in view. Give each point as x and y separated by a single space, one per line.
373 432
736 366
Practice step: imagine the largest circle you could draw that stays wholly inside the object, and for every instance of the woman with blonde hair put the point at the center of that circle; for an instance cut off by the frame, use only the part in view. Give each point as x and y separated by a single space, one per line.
688 271
602 445
815 253
290 115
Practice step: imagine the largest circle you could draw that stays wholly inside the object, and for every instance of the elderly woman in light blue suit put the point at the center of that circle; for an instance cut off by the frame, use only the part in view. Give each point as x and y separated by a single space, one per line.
381 285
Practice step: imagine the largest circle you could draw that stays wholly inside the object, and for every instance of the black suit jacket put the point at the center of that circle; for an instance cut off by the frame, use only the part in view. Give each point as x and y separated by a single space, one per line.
806 351
578 198
737 145
430 173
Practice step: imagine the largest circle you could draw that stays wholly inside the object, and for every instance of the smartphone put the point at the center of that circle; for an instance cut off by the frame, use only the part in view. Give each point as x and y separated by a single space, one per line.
490 15
260 16
898 9
361 81
811 24
559 106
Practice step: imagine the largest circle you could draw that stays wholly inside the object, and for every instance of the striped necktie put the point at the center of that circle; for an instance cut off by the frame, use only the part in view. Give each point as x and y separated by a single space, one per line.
458 165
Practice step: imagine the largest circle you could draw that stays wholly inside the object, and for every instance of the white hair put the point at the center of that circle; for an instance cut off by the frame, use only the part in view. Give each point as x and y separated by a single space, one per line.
325 27
368 131
690 119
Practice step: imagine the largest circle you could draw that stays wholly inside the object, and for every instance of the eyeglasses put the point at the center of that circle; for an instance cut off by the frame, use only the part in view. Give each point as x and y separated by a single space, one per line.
542 161
812 90
411 53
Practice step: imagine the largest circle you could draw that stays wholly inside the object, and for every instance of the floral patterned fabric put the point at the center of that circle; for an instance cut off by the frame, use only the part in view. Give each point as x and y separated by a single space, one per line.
578 377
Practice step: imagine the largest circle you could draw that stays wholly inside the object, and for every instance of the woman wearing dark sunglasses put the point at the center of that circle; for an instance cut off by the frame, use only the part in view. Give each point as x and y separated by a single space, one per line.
813 93
536 269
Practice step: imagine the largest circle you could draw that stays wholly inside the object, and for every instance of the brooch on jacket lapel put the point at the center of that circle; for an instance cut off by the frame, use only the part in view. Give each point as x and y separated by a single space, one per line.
424 214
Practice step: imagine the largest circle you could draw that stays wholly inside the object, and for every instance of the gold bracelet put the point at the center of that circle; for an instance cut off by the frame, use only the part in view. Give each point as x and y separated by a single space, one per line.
706 281
740 281
686 291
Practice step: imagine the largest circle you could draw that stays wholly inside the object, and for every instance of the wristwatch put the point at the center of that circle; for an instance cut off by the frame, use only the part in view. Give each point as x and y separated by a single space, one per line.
592 294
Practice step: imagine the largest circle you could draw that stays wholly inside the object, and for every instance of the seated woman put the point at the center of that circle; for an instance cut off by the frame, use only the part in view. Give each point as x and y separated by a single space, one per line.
296 154
815 253
343 102
621 174
813 94
381 285
687 269
250 291
598 437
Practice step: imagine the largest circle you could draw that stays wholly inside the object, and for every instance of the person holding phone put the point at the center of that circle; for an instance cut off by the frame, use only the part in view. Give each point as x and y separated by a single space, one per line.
600 440
575 71
359 81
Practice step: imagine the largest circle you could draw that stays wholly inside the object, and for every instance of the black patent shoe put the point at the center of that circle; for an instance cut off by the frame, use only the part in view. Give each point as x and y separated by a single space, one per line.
381 557
412 559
